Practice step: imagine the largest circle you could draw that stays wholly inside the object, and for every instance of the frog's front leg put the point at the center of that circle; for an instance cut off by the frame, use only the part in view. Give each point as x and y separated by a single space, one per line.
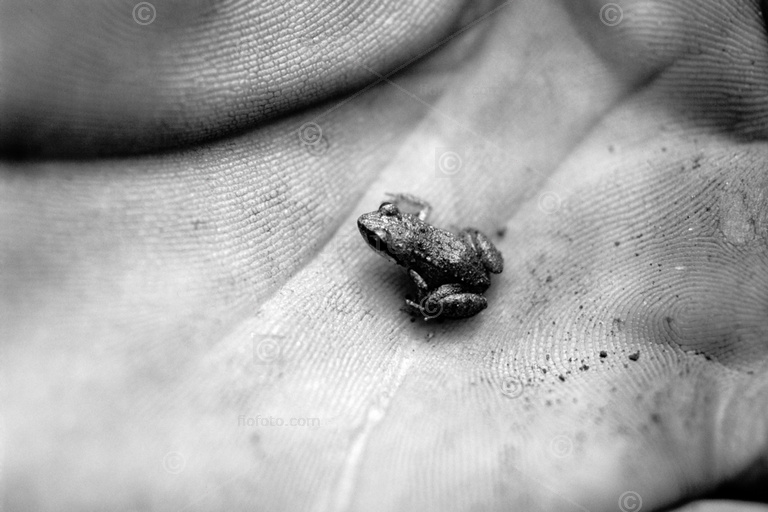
489 255
447 301
410 306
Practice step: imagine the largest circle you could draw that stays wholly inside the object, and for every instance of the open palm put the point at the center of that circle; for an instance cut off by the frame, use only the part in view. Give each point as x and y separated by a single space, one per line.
191 321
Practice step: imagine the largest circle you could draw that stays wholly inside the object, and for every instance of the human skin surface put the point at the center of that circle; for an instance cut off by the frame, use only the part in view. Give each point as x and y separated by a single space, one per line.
181 272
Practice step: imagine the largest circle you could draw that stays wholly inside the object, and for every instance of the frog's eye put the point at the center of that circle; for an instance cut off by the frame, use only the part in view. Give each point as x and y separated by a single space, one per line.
388 209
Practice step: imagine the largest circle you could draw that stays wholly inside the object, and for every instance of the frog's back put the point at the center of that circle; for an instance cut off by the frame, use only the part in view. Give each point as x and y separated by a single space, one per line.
443 258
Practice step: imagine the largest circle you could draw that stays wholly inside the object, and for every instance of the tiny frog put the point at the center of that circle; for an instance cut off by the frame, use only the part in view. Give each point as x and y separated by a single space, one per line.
451 271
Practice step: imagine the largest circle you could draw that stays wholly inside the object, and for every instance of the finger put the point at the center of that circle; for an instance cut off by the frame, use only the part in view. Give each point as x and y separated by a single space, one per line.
706 62
96 78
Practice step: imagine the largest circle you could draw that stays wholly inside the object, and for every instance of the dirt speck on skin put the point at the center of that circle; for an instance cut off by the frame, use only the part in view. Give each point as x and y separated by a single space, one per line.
561 377
635 356
603 354
584 367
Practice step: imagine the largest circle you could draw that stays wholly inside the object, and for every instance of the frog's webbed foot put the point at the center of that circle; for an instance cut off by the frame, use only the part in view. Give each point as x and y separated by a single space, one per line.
424 207
430 304
489 255
413 308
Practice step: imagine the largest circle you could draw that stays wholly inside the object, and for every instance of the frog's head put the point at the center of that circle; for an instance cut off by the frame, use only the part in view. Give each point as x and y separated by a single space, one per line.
386 231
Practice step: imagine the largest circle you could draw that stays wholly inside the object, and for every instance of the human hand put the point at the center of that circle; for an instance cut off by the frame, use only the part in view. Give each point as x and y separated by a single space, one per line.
161 304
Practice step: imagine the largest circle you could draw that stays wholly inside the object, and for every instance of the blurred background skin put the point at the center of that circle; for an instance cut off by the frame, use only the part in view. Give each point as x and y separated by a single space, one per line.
190 321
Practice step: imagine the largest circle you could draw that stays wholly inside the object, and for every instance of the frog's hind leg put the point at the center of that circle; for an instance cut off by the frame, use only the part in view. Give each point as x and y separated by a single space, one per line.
424 207
462 305
448 301
430 303
489 255
412 308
